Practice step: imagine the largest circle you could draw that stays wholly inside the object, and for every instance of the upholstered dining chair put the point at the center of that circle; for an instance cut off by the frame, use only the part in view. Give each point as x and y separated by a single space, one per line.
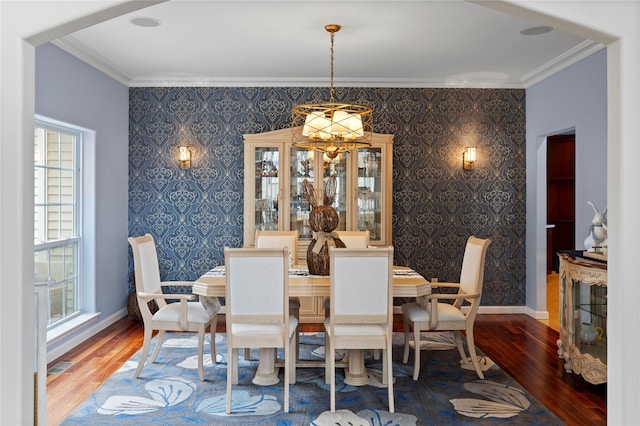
354 239
430 314
281 239
184 315
258 315
351 239
361 308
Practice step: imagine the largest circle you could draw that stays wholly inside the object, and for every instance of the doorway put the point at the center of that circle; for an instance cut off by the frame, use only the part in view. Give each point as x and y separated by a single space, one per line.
561 201
560 212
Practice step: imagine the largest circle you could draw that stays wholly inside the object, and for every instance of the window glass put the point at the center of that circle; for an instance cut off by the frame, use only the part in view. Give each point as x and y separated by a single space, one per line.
56 212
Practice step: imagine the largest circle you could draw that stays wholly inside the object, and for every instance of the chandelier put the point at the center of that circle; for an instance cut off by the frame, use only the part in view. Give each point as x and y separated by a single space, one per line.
332 127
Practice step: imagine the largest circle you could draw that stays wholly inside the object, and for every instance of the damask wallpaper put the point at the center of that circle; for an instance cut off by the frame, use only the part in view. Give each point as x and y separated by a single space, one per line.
194 213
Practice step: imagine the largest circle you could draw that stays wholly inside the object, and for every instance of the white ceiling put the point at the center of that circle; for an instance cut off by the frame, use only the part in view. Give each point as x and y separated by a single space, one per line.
451 43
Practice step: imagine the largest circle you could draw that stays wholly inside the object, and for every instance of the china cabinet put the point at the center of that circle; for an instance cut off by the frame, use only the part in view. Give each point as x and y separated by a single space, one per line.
274 171
583 316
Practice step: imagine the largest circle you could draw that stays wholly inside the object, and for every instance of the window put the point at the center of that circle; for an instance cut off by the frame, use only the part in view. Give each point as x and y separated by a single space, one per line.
57 217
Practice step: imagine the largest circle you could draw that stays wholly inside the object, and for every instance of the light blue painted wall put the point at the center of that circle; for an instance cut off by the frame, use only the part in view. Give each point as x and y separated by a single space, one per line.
71 91
574 98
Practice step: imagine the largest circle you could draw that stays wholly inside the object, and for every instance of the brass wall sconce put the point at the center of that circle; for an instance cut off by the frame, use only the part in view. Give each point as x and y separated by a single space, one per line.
184 157
469 158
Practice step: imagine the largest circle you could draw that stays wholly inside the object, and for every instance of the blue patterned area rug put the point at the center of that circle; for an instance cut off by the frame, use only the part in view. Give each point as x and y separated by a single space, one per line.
169 392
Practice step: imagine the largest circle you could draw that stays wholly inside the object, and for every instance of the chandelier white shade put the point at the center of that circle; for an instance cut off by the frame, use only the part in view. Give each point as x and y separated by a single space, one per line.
332 127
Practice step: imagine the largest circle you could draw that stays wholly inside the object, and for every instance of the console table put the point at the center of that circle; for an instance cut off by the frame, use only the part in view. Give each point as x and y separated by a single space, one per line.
583 316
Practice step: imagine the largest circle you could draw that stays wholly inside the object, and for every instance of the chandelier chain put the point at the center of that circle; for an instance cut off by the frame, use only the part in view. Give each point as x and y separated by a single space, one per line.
331 86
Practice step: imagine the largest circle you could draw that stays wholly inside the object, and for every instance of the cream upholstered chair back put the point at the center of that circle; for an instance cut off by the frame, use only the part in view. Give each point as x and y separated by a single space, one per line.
351 239
257 280
361 285
278 239
472 273
354 239
145 259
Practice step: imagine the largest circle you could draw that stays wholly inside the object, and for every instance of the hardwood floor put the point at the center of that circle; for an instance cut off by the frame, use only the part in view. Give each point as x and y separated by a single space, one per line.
525 348
553 301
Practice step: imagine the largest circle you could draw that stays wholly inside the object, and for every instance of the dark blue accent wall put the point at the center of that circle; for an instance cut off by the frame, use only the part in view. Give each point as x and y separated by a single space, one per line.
194 213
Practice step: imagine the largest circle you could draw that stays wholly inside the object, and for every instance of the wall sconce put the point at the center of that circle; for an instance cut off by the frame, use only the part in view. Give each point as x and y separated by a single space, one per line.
469 158
184 158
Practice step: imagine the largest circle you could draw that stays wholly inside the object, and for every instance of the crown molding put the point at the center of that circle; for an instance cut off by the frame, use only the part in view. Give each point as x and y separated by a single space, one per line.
97 61
91 58
570 57
189 81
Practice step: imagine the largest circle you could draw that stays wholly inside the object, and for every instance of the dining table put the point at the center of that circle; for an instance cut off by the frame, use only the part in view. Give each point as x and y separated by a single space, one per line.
406 283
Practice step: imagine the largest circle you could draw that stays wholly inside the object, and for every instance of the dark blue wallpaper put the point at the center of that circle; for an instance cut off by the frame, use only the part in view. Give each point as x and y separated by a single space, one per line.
194 213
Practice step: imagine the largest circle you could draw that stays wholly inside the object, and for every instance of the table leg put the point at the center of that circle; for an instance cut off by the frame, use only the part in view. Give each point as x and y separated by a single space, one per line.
356 373
267 372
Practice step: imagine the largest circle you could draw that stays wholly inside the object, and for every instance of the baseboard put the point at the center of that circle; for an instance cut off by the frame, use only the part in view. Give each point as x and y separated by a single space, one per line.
502 310
82 336
505 310
539 315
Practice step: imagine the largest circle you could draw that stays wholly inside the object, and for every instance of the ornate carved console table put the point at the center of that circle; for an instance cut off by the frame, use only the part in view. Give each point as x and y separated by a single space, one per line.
583 316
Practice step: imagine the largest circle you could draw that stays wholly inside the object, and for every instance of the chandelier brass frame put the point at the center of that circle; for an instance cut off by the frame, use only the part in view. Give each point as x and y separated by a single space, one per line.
332 127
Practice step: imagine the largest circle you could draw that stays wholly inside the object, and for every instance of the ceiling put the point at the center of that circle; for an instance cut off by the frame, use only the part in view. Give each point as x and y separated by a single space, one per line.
451 43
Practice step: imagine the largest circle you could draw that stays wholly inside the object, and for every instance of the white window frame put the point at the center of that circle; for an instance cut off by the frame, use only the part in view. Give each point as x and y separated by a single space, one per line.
75 241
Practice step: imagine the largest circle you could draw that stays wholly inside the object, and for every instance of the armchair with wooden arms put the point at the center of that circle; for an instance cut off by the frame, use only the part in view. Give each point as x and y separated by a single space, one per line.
434 315
184 315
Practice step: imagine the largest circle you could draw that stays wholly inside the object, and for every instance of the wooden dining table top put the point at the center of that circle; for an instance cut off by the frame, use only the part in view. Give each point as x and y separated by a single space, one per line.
406 283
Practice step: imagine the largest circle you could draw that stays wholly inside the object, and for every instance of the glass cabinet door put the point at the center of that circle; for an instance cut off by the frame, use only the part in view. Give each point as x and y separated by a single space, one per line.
302 167
590 325
370 191
337 167
267 184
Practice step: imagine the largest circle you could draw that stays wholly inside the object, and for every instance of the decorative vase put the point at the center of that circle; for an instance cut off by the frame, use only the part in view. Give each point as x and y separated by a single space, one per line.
323 220
589 334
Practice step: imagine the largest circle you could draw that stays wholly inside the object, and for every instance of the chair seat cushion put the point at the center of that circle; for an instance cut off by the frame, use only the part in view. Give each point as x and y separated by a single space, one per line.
415 312
196 313
356 329
264 329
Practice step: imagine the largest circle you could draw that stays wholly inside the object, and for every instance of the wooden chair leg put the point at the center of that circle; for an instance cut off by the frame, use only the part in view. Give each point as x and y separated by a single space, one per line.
287 357
472 352
296 313
212 341
145 351
327 366
231 353
234 372
384 367
416 346
458 337
405 355
332 377
292 364
159 342
201 330
389 363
